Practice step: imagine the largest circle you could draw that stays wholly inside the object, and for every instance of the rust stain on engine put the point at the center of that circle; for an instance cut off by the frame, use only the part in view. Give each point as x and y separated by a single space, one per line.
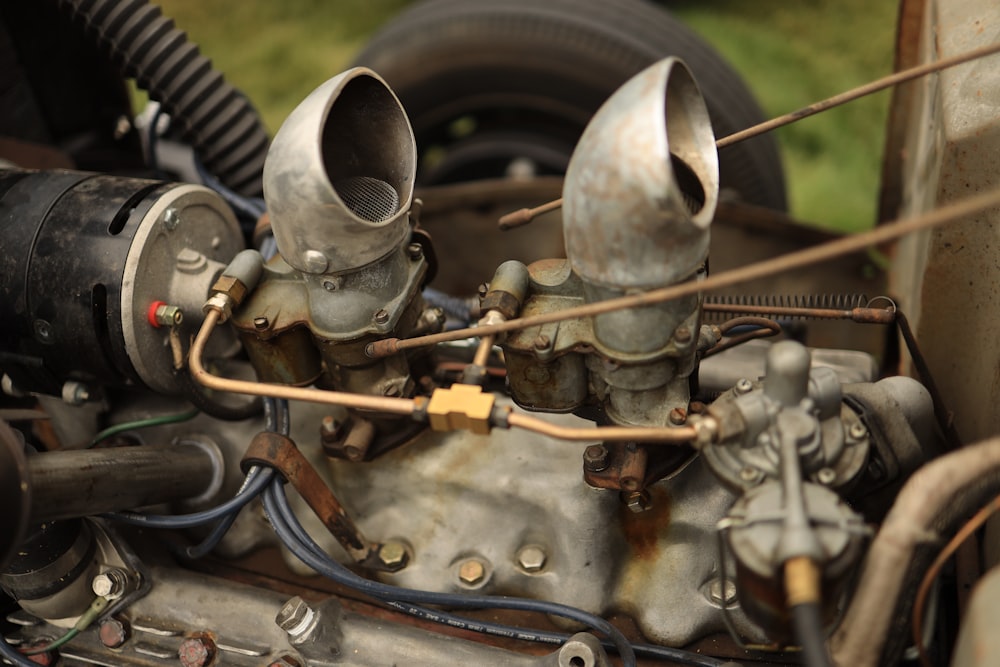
643 530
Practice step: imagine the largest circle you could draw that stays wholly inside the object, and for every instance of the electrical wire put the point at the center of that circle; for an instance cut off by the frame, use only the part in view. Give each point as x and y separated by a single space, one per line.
970 527
283 524
86 619
142 423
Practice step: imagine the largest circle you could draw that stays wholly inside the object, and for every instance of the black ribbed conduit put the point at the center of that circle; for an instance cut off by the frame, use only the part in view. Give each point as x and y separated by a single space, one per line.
217 120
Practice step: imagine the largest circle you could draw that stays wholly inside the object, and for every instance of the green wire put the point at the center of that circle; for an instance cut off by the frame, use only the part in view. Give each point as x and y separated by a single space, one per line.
96 608
142 423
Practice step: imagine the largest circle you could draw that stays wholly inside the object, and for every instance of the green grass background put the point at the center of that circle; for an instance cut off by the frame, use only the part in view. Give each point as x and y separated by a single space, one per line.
792 53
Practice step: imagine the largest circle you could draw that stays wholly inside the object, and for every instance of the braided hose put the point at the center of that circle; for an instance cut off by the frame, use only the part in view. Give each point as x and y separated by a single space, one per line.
217 120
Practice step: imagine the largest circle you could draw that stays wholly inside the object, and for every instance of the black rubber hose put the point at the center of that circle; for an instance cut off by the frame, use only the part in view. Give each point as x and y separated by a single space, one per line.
194 393
808 627
217 120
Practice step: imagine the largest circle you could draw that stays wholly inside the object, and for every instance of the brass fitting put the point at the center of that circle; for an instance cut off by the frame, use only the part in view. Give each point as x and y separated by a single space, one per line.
461 406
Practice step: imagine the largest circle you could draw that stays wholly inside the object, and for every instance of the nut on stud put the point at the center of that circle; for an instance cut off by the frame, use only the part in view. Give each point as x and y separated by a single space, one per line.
393 554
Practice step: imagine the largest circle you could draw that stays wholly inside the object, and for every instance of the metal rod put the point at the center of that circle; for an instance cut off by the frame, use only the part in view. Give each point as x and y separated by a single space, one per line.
75 483
525 215
861 315
483 351
855 93
801 258
662 434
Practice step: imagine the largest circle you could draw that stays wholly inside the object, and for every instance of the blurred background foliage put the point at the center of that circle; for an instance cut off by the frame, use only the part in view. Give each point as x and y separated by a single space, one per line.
791 52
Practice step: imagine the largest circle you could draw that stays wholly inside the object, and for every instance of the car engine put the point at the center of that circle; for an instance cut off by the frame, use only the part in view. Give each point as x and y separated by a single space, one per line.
242 427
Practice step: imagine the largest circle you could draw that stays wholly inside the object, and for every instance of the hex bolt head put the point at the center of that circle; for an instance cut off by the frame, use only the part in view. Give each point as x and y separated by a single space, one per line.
415 251
381 316
531 558
743 386
296 617
393 554
719 596
595 458
113 633
858 431
111 584
677 416
472 572
196 652
638 501
171 219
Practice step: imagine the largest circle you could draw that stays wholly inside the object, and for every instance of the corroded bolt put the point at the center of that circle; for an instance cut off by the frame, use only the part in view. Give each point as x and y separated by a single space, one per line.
45 658
542 342
381 316
415 251
678 416
638 501
595 458
531 558
113 633
392 554
196 652
858 431
472 571
744 386
261 323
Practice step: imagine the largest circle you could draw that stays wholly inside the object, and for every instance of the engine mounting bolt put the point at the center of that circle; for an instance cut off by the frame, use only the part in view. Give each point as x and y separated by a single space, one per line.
542 342
638 501
719 596
531 558
393 554
415 251
111 584
296 618
261 323
113 633
678 416
595 458
472 572
744 386
858 431
682 335
826 476
750 475
381 316
196 652
171 218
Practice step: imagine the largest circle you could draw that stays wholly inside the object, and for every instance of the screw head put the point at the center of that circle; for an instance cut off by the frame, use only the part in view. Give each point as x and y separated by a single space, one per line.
682 335
595 458
295 617
531 558
393 554
171 219
261 323
415 251
315 261
677 416
111 584
542 342
381 316
113 633
826 476
333 283
638 501
472 572
743 386
43 331
196 652
858 431
750 475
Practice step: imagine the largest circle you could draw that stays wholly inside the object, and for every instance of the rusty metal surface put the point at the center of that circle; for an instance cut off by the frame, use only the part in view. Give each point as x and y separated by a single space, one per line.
280 453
